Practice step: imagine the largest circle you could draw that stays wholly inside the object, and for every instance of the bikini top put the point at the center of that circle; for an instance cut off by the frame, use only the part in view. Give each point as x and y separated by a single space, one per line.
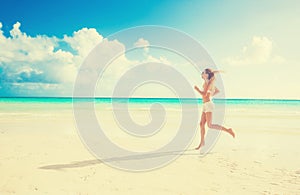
211 91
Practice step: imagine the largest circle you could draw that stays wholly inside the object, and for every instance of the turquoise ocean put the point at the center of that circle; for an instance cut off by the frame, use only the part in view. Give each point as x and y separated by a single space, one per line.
259 114
148 100
31 103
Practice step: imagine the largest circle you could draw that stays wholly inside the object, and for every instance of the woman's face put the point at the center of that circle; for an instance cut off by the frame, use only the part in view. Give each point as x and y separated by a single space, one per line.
204 75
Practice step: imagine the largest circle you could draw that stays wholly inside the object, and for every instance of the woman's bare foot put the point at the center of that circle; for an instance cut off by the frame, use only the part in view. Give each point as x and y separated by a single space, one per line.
200 145
230 131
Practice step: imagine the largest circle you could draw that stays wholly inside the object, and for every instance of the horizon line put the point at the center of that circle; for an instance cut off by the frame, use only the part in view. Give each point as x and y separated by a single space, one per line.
103 97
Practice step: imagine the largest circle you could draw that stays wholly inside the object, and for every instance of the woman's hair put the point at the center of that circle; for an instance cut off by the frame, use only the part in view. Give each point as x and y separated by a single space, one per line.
211 73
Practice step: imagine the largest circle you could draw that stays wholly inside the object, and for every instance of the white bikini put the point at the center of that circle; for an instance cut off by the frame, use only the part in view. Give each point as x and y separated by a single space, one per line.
209 106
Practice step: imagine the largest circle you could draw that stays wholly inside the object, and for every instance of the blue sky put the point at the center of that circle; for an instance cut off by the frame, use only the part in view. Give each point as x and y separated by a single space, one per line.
64 17
255 42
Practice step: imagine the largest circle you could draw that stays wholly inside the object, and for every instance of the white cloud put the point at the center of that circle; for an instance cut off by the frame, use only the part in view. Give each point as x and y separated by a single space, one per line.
142 43
20 47
27 61
260 51
1 33
47 66
83 41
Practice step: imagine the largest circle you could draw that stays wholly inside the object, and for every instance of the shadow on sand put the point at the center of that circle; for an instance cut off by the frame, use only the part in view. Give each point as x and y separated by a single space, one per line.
86 163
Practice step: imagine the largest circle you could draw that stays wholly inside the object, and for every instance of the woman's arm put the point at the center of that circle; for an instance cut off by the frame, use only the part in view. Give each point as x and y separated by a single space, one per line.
208 87
204 92
216 91
197 89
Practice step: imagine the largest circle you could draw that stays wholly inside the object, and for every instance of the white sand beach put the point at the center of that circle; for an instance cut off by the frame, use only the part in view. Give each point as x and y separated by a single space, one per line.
158 64
41 153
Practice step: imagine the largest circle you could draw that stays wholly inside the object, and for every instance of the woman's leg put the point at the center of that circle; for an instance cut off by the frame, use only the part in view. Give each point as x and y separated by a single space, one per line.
202 130
215 126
